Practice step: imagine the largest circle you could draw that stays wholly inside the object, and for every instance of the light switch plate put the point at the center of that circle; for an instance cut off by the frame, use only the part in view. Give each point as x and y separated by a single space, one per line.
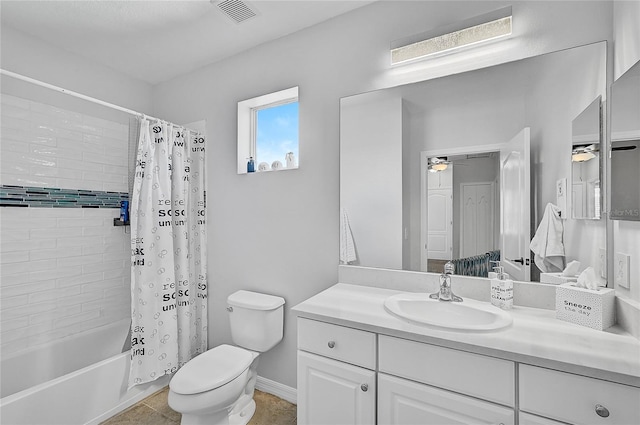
621 269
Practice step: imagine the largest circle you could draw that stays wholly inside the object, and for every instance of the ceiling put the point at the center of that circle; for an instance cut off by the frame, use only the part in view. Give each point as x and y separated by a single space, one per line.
155 41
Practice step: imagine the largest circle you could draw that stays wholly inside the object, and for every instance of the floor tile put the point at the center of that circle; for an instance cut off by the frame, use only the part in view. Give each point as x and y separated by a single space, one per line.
140 414
155 410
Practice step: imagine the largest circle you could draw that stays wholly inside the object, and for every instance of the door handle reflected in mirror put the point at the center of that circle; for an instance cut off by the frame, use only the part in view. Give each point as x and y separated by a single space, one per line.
519 260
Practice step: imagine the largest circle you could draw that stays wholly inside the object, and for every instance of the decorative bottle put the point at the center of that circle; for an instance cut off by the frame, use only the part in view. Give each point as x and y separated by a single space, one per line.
251 165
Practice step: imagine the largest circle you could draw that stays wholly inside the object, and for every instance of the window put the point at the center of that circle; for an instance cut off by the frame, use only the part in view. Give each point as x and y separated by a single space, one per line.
268 132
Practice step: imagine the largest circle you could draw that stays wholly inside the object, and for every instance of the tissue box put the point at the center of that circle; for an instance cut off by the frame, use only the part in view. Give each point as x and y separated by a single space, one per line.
556 278
587 307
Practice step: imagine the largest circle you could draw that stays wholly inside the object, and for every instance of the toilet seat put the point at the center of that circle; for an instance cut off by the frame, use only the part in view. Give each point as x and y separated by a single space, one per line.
211 369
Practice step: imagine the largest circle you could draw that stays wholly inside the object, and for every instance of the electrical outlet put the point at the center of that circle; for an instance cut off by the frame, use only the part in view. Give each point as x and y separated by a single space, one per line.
602 262
621 269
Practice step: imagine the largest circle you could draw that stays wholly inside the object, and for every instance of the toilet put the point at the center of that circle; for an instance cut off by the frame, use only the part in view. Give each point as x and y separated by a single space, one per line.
217 386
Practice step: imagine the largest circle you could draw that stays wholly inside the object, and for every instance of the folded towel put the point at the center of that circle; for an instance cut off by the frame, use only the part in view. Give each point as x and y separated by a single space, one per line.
347 247
547 244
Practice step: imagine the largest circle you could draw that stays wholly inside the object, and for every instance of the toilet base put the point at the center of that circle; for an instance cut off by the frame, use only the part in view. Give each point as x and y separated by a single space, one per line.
243 416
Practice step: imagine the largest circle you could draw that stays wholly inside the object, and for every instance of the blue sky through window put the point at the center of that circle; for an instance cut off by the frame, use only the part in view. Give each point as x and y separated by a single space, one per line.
277 133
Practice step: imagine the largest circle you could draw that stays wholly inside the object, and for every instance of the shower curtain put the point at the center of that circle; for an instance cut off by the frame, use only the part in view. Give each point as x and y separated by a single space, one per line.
168 251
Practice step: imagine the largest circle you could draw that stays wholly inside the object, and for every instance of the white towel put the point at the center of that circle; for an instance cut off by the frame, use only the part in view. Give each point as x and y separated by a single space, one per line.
347 247
547 244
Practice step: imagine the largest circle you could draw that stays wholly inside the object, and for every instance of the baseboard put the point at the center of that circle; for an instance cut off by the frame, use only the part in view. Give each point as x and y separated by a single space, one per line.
277 389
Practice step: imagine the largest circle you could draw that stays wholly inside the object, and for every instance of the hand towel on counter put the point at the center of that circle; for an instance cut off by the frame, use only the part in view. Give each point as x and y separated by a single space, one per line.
347 247
547 244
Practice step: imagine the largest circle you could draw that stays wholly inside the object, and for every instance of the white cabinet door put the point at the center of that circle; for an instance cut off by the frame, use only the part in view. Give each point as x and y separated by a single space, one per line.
527 419
332 392
403 402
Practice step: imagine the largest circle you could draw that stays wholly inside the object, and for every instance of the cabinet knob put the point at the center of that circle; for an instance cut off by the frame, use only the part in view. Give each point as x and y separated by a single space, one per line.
331 344
602 411
230 309
364 387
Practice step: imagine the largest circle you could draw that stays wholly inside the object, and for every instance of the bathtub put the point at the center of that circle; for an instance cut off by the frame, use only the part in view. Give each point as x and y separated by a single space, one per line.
80 379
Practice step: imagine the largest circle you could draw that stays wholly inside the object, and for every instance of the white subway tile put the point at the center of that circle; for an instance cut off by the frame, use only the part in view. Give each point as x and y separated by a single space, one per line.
53 294
55 274
9 313
15 279
80 298
103 285
101 230
8 302
119 272
55 212
54 233
121 292
77 318
27 288
29 266
83 260
116 187
18 243
25 332
107 265
13 134
14 123
55 253
80 279
24 221
101 159
13 257
80 222
52 315
7 99
10 236
10 325
14 111
14 146
77 241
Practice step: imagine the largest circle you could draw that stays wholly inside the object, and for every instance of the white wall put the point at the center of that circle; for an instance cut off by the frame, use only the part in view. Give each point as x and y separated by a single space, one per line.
279 232
371 182
35 58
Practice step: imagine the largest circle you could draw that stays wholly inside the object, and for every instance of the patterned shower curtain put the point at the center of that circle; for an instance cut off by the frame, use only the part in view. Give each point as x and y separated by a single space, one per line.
168 251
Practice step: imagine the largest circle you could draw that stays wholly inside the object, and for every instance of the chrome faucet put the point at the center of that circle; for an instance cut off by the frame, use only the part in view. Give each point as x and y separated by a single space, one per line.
445 293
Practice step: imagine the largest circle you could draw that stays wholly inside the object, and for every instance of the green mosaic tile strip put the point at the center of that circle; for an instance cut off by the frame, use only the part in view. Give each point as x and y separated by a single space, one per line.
47 197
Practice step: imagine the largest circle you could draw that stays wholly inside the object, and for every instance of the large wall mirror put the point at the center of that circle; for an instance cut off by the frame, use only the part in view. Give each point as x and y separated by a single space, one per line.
625 146
462 167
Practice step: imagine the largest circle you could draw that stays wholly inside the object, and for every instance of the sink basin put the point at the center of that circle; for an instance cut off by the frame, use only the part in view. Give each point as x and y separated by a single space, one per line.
468 315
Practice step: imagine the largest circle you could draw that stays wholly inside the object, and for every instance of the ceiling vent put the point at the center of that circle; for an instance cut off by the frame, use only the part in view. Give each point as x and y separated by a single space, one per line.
237 10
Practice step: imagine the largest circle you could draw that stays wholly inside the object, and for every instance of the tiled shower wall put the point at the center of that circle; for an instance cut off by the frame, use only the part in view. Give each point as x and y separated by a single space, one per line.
64 269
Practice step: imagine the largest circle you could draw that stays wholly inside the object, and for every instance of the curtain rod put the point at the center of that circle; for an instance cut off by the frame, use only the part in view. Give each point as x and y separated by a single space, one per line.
76 94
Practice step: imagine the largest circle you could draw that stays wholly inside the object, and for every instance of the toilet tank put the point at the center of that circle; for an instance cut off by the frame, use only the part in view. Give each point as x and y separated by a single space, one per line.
257 320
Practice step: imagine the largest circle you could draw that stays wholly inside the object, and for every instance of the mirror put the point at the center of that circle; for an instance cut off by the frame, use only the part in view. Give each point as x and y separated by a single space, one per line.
586 135
389 139
625 146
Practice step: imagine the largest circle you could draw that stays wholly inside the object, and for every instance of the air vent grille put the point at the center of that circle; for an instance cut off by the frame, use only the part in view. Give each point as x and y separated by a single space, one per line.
237 10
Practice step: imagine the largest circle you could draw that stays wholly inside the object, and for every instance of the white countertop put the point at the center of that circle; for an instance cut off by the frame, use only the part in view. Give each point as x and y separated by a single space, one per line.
535 337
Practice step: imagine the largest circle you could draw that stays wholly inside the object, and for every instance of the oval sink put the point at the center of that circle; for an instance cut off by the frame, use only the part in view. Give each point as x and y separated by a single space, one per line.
469 315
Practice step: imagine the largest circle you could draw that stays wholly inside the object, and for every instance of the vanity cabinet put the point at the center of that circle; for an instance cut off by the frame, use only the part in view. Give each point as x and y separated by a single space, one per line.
576 399
352 376
336 375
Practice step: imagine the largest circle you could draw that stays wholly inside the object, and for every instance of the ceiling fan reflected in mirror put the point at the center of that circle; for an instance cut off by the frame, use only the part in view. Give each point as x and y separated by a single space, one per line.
437 164
583 153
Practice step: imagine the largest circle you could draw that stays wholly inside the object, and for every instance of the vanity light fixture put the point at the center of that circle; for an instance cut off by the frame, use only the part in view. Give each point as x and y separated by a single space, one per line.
476 30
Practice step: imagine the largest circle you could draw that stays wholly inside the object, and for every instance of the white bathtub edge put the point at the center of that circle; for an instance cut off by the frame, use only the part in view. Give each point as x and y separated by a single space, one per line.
152 388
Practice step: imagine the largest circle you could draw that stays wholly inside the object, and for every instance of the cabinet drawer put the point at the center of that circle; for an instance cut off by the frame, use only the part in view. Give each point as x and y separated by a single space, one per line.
573 398
345 344
472 374
405 402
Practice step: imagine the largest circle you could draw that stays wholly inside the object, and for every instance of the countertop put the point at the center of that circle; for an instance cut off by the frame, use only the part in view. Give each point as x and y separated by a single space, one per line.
535 337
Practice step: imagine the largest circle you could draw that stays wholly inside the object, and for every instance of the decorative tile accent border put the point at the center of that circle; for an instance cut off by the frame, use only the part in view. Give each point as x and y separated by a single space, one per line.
45 197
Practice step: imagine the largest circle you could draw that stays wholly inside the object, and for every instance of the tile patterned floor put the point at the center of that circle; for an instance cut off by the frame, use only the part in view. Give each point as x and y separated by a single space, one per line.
154 410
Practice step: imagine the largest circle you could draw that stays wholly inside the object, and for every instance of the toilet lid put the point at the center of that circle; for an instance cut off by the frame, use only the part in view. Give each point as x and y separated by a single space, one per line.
211 369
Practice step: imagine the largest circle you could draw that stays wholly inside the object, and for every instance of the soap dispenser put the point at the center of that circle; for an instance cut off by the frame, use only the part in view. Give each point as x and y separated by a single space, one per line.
501 289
